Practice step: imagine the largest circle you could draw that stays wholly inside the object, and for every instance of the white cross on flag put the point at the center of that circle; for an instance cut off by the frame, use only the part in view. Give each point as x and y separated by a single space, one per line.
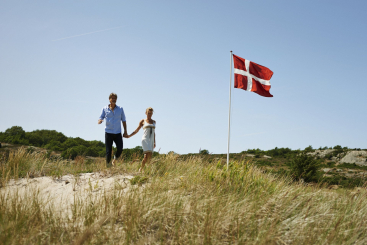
251 76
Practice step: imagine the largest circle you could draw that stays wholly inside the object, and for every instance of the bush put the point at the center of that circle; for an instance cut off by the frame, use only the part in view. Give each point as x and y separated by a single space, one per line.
344 181
338 149
309 149
53 141
304 167
279 152
255 151
70 153
204 152
264 163
329 156
352 166
129 154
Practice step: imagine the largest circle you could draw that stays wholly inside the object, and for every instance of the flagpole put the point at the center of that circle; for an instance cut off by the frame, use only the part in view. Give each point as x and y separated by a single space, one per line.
229 113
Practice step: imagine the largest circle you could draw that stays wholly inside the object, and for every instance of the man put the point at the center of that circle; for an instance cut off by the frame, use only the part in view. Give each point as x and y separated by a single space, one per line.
114 115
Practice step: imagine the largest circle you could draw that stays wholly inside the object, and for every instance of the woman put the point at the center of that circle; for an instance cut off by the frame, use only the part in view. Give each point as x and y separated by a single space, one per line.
148 140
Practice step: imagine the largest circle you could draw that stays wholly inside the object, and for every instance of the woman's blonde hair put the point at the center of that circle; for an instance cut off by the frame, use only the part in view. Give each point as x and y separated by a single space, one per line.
149 109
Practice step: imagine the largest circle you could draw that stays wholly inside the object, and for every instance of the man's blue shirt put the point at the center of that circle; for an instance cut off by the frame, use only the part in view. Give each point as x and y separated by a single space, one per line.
113 119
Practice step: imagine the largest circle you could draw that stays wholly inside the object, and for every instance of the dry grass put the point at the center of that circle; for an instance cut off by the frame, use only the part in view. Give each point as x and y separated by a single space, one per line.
184 202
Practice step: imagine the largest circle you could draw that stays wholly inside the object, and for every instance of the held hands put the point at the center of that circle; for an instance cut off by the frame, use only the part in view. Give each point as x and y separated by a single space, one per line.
125 135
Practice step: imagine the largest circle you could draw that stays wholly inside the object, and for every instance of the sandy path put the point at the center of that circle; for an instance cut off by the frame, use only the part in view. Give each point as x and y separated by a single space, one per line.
62 192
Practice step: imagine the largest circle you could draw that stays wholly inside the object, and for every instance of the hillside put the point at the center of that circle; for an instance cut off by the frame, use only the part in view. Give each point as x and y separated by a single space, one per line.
338 166
178 200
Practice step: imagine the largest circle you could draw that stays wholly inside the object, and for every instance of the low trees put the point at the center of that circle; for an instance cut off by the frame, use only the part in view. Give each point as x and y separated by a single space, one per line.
54 141
68 146
305 167
204 152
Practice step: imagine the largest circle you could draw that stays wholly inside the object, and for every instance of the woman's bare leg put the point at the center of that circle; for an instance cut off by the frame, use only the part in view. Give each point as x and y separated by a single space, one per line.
147 157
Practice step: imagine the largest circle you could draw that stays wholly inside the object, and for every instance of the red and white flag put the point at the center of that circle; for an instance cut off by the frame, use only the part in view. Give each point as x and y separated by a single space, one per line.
251 76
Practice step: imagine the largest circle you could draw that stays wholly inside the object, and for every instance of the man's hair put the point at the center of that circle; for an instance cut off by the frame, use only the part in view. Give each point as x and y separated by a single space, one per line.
112 94
149 109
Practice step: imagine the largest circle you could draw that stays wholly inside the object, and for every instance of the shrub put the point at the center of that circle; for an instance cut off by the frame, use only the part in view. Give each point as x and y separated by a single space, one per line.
344 181
338 149
280 152
304 167
255 151
264 163
329 156
309 149
352 166
204 152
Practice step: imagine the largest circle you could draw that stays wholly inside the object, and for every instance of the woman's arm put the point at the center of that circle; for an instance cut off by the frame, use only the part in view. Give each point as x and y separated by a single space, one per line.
154 135
137 129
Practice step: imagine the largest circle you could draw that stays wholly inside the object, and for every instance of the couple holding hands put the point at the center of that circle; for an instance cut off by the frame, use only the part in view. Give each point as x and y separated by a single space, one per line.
114 115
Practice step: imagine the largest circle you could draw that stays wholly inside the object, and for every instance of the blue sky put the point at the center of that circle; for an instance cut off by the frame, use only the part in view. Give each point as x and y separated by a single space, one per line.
174 56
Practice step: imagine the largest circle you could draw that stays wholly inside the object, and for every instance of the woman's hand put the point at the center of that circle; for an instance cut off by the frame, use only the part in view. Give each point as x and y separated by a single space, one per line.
154 144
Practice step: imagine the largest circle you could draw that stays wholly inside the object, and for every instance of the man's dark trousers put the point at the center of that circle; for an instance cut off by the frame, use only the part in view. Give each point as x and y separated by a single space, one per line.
109 139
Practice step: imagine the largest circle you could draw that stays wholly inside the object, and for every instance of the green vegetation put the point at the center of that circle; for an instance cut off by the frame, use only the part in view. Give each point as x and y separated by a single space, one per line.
352 166
53 141
276 152
68 146
204 152
181 201
304 167
344 182
138 180
279 161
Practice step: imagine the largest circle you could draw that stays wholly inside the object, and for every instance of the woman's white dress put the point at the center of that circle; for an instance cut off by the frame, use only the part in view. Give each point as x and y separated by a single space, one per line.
148 137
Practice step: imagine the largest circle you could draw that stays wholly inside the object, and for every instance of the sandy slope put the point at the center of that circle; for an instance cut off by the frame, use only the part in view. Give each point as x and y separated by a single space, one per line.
61 192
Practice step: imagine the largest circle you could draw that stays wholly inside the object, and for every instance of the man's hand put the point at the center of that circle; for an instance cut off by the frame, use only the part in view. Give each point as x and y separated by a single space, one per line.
100 121
125 135
154 144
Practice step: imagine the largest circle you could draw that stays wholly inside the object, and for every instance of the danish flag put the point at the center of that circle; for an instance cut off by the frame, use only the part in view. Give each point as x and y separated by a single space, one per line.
252 77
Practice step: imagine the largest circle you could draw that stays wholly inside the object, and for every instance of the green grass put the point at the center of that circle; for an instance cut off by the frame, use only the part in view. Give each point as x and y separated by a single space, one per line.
352 166
138 180
182 201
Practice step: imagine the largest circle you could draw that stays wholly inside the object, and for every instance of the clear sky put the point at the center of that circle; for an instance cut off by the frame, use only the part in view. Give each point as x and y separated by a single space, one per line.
59 61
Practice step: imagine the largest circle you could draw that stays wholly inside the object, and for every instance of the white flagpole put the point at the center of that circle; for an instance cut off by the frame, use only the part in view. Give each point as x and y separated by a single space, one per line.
229 114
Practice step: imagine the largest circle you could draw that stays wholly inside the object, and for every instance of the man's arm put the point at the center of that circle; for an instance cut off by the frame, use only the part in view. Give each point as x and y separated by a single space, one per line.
125 129
123 119
101 117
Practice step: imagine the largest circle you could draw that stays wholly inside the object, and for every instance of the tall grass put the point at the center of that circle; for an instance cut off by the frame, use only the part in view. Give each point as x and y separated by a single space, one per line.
24 163
189 201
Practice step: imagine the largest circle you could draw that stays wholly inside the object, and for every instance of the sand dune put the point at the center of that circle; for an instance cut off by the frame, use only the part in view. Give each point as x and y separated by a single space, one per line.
62 192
